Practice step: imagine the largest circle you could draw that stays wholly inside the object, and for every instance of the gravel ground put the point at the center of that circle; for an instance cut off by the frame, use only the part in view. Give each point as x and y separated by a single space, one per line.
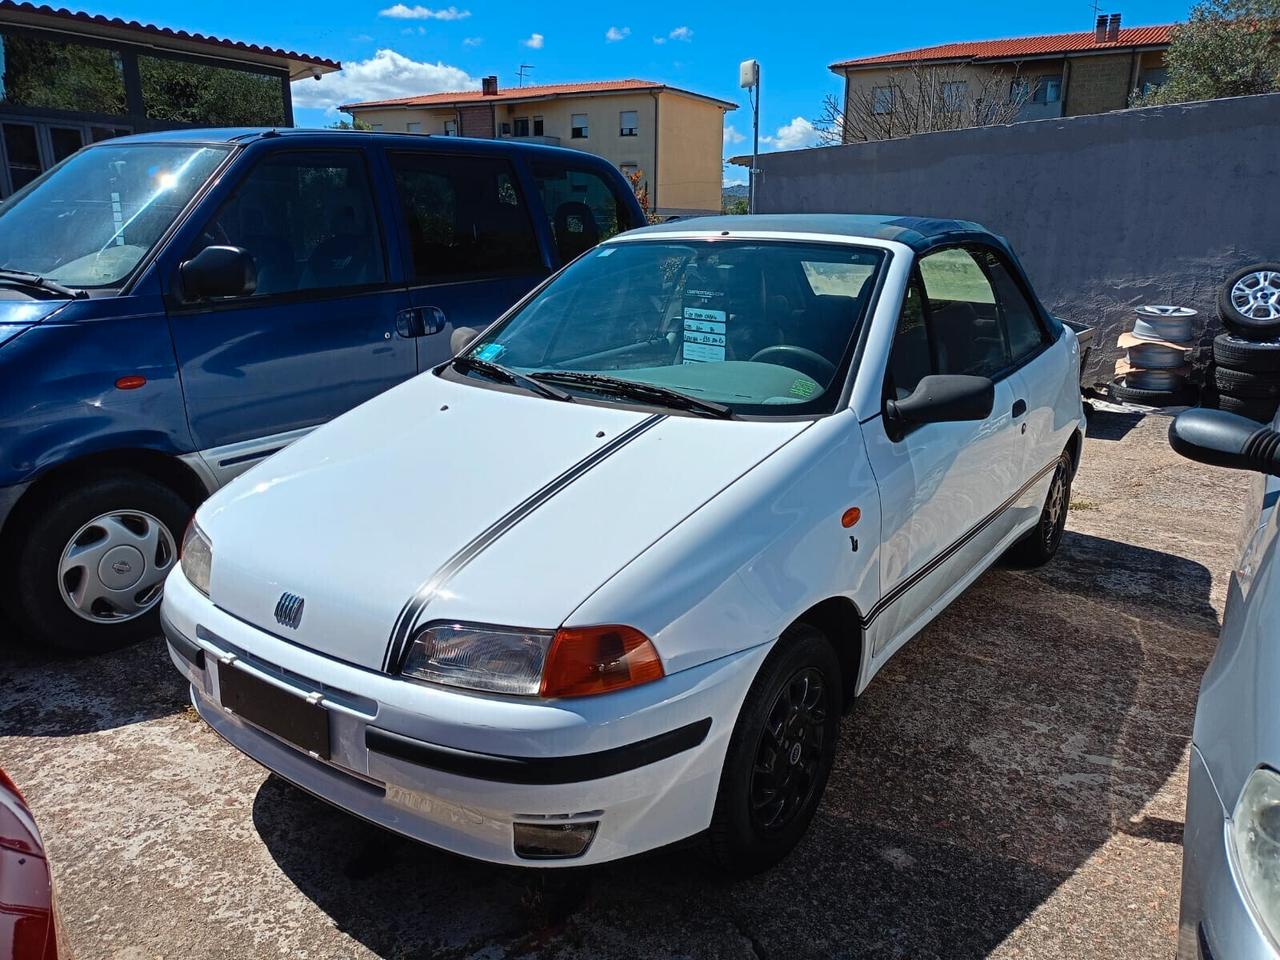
1011 785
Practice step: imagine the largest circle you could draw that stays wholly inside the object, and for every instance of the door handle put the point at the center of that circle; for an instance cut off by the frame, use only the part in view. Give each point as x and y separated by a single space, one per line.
420 322
1019 408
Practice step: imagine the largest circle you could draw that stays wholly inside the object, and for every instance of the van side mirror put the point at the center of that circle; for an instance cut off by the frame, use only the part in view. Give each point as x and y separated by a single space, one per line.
1223 439
944 398
461 337
218 272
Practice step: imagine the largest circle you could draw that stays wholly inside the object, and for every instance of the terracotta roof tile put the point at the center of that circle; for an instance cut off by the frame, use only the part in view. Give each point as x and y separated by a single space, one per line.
1018 47
463 97
81 17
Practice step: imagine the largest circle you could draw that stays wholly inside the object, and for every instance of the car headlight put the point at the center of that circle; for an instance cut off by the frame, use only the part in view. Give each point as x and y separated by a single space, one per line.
570 662
1255 834
197 557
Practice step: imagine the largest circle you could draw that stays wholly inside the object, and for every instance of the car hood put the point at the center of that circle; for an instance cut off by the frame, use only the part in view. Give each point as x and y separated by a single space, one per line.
446 500
19 315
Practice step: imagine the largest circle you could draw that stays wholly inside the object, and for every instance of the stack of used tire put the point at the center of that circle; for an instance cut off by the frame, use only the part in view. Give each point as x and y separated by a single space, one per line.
1246 357
1154 371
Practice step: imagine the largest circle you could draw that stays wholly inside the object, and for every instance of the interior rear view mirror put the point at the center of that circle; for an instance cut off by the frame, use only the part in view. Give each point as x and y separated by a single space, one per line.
1223 439
946 398
219 271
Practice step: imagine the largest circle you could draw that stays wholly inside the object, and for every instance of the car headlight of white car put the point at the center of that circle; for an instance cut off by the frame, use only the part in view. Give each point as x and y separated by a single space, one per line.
570 662
1255 834
197 557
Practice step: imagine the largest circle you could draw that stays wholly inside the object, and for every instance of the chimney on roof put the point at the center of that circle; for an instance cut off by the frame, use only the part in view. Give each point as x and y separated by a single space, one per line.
1113 28
1100 29
489 86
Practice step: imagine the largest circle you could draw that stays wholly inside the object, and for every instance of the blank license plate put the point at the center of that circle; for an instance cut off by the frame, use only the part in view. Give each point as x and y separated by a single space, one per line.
288 716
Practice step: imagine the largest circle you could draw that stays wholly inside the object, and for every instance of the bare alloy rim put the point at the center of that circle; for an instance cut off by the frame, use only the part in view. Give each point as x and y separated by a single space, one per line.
788 761
113 569
1055 508
1257 295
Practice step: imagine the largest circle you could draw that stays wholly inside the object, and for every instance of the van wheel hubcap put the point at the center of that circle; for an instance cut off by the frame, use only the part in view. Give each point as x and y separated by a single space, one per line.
113 569
789 757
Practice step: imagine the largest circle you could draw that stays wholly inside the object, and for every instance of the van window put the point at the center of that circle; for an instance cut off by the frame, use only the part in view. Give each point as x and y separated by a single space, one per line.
582 207
465 217
308 221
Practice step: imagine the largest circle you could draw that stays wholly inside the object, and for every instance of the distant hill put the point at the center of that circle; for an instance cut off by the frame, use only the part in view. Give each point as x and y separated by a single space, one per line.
734 191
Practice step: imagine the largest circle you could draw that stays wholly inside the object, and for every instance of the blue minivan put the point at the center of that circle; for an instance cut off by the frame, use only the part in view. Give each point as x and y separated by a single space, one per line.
177 306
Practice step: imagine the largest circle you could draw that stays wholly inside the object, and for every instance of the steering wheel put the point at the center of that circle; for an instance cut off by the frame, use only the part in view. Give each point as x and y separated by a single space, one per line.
807 361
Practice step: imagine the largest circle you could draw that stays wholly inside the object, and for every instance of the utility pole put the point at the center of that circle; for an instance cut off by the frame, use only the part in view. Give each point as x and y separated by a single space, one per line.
523 71
749 80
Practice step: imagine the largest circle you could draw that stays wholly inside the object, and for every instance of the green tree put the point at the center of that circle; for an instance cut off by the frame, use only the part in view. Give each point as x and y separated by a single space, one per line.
355 123
1227 48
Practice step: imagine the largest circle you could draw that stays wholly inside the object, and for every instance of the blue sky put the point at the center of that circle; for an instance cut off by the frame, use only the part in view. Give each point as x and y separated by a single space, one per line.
392 48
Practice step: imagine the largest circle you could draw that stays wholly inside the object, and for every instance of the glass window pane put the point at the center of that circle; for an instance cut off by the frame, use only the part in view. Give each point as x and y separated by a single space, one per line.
308 221
963 322
1022 325
57 75
582 207
629 122
578 126
65 141
179 91
911 361
465 217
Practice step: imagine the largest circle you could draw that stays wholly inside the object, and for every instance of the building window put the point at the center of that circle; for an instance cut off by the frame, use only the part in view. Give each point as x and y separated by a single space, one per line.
58 75
505 130
1048 89
375 127
1153 79
578 126
537 126
953 95
179 91
413 126
882 100
451 128
628 123
522 126
1020 90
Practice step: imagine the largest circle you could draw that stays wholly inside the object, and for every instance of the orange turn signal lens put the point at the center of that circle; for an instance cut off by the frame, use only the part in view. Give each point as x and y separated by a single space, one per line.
851 516
587 660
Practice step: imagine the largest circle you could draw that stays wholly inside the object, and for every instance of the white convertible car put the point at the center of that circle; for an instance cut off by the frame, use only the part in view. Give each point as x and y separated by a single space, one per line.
607 579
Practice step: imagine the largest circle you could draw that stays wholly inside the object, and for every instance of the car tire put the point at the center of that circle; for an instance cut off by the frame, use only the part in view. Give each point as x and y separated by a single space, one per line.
1041 543
1249 300
1148 398
1240 353
65 550
1261 410
779 756
1246 385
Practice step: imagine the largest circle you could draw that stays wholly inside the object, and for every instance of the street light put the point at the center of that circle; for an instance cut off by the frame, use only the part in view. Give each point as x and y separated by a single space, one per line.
749 80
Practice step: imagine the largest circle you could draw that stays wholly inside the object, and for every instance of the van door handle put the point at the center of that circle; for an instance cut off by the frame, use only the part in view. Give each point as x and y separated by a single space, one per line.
420 322
1019 408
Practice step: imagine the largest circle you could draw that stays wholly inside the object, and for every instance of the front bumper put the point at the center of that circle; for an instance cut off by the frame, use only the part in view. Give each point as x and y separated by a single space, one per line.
1216 920
456 770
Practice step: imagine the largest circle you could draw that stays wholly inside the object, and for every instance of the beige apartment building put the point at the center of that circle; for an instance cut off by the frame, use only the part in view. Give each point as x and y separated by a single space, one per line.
674 138
1054 75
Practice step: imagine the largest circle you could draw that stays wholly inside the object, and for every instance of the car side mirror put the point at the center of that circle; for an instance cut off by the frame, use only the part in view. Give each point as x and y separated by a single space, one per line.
219 272
461 337
1223 439
944 398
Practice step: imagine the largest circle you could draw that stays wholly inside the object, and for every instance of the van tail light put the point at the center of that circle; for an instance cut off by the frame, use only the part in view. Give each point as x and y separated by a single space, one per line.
587 660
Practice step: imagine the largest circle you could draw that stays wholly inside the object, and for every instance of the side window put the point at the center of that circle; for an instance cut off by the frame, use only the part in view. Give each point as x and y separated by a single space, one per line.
964 323
464 216
1022 325
582 207
911 360
307 220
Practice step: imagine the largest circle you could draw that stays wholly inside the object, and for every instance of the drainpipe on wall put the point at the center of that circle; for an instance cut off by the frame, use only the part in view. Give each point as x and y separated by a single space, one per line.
653 190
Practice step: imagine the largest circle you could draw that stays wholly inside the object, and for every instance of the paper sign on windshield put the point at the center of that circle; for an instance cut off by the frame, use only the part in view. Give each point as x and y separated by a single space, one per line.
704 335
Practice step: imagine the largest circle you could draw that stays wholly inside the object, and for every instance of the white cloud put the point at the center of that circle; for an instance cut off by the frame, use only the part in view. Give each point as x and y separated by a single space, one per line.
681 33
362 38
659 40
534 42
614 34
731 135
401 12
472 41
384 76
792 136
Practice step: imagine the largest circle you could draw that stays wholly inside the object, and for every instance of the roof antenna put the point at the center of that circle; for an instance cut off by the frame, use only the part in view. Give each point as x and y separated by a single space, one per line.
522 72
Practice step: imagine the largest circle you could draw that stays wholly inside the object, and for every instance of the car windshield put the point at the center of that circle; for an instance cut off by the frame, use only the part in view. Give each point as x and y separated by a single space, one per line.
89 220
763 328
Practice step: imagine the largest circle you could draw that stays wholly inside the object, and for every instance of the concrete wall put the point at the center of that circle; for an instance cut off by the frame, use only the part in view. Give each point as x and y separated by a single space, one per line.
1107 212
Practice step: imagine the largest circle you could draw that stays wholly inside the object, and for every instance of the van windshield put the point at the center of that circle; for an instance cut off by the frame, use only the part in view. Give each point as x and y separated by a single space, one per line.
89 220
761 327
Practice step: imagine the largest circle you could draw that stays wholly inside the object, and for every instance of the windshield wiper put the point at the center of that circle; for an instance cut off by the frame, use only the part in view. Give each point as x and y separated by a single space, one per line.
634 390
495 371
34 280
